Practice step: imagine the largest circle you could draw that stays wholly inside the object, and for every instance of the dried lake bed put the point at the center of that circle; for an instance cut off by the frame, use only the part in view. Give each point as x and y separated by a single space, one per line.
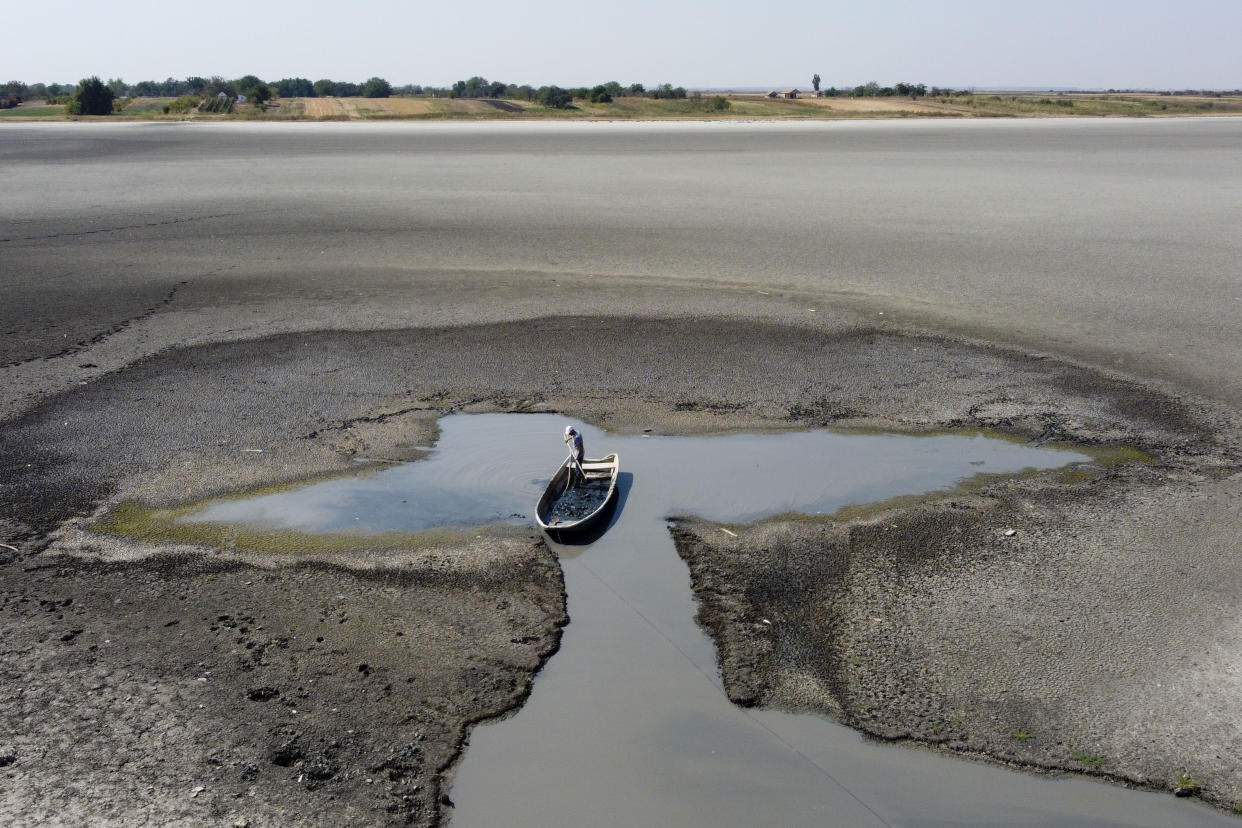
192 310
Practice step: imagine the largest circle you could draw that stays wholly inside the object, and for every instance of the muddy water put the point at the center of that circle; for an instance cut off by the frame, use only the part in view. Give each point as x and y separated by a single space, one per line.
491 468
628 723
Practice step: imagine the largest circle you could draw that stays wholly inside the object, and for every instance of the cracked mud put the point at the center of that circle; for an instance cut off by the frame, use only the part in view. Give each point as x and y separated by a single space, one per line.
246 329
226 629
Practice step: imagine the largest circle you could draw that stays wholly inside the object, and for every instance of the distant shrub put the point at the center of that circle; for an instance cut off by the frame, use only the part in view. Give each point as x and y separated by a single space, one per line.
555 97
216 105
183 104
716 103
666 91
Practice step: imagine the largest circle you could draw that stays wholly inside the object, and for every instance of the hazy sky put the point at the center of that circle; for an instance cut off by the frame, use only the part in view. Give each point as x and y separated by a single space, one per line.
1086 43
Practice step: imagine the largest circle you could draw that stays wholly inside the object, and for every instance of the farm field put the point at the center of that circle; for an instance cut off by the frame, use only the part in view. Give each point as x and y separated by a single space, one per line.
740 107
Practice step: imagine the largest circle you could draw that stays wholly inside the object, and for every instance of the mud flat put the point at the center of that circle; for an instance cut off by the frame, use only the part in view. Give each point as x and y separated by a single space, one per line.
191 311
493 613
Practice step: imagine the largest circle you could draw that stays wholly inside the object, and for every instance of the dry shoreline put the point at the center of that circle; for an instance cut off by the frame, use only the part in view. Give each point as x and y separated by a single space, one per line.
624 381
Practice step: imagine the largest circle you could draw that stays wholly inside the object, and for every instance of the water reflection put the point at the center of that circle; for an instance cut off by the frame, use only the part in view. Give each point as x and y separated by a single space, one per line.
491 468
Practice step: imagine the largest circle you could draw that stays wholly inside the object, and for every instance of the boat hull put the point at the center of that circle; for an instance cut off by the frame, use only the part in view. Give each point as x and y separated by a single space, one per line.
606 468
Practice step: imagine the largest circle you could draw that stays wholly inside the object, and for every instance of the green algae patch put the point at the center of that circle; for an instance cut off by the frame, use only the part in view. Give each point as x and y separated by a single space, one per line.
1107 455
132 520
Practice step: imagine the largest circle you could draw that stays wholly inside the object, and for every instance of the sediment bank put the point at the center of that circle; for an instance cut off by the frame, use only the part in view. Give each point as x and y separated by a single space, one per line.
1045 632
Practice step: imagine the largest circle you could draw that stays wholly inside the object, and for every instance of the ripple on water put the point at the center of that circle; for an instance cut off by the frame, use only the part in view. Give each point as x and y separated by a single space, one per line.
628 723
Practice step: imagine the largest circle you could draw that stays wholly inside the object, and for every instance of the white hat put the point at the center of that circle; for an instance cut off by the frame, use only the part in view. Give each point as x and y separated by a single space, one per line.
569 430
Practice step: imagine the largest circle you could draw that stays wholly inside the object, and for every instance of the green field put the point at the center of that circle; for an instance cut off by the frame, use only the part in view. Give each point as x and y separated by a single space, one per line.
32 111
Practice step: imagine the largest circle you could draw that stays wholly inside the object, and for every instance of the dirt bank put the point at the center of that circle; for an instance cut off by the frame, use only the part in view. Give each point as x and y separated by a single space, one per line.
179 690
470 624
1060 623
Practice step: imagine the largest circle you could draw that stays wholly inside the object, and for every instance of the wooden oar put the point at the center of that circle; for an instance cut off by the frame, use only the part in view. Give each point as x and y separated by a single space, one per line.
573 464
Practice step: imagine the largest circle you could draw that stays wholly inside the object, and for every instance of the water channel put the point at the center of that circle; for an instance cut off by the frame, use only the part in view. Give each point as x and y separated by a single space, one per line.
628 724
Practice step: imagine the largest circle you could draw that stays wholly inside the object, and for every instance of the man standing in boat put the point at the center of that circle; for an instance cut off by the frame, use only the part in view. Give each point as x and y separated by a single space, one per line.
574 440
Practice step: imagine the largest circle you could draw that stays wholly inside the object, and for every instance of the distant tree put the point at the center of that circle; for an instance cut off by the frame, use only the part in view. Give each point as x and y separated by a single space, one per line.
376 88
914 90
345 89
526 92
119 87
294 88
16 89
599 94
868 90
555 97
92 97
217 84
475 87
815 81
324 88
259 94
246 81
637 89
666 90
196 85
254 89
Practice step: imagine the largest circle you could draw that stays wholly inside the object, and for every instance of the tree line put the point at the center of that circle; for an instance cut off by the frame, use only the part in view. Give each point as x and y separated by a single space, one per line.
251 87
195 90
480 87
872 89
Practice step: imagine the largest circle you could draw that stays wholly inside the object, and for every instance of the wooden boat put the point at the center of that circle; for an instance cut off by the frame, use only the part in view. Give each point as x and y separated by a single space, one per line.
599 473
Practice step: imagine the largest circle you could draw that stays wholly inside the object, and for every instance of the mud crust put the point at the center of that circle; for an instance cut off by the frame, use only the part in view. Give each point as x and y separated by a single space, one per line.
126 641
1058 625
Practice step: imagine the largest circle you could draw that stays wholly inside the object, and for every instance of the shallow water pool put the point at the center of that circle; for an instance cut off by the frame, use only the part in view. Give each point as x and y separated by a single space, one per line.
628 723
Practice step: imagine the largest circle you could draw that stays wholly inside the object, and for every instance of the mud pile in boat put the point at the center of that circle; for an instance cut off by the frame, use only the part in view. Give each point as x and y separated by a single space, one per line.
579 501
